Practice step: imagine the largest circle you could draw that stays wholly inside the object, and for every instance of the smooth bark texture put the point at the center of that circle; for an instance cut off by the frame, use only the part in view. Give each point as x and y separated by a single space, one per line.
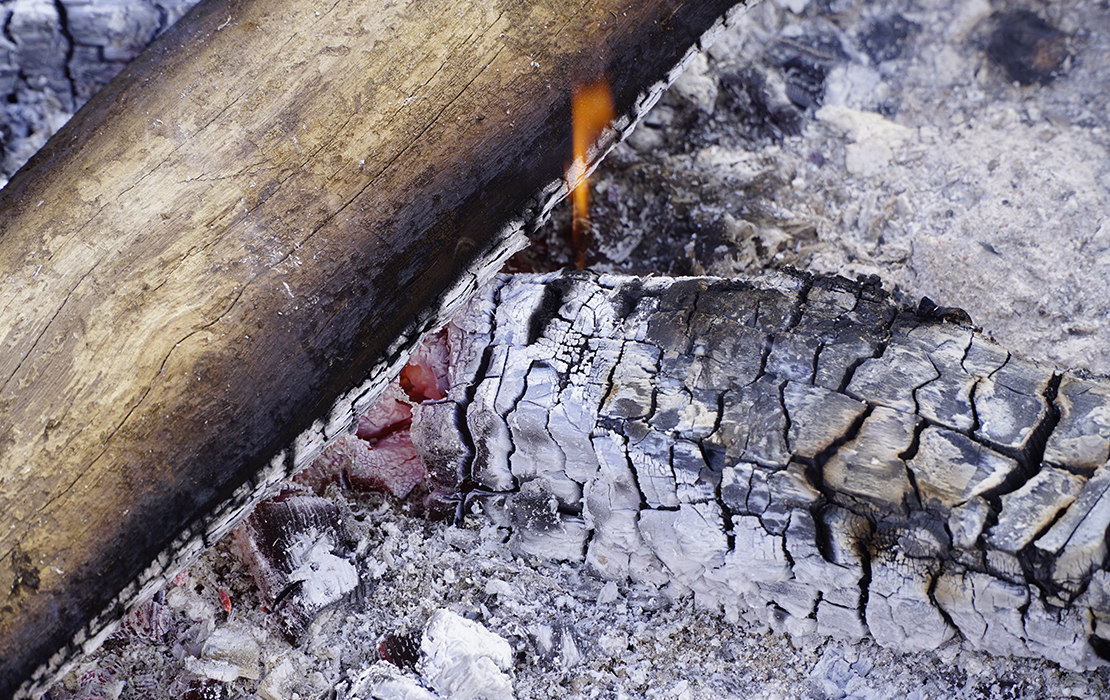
797 450
266 208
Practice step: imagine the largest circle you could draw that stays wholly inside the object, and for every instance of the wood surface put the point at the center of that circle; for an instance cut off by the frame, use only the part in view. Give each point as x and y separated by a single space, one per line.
232 247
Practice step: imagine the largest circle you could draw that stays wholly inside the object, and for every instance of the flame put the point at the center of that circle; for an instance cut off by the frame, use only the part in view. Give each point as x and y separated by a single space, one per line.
591 112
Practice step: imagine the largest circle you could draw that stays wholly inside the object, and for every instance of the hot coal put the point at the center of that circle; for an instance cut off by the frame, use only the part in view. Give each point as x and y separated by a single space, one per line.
380 456
402 650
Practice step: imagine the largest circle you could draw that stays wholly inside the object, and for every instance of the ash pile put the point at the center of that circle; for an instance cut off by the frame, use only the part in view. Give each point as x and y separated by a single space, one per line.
957 151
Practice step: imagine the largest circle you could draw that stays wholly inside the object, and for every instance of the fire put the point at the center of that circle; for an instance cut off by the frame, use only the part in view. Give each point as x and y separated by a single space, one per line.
591 112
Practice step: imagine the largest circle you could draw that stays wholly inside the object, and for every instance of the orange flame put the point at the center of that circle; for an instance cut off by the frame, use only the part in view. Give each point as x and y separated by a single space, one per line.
591 111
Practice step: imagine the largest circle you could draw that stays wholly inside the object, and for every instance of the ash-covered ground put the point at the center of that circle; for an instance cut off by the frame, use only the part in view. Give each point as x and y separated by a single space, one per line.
954 151
957 151
571 634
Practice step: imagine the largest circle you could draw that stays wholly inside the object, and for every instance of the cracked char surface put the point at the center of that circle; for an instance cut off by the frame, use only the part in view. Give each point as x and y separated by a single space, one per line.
798 451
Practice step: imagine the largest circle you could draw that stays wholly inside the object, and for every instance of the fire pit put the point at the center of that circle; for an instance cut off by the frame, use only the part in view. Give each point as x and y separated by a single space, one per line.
799 100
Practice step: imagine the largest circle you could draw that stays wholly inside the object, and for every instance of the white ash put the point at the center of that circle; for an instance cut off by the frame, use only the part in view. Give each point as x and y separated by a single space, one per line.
326 577
571 634
229 652
463 660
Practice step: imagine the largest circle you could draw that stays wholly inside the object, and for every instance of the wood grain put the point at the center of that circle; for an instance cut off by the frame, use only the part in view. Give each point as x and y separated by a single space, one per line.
266 208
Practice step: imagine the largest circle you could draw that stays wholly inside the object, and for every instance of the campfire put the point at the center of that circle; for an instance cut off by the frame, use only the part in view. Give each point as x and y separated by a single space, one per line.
386 569
591 112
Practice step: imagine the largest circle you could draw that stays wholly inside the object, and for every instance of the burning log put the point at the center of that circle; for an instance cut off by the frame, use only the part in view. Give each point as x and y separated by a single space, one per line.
227 254
800 450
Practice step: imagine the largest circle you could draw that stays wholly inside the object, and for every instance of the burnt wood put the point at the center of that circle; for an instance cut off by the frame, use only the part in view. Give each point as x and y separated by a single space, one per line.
230 249
797 450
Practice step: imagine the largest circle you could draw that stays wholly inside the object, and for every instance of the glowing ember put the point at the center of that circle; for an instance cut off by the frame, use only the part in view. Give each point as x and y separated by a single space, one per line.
591 112
380 456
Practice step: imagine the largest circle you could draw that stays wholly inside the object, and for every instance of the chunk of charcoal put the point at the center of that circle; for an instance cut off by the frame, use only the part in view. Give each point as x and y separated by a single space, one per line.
1027 47
807 455
987 611
805 63
900 611
1030 509
1011 405
540 529
389 465
818 417
767 111
462 659
885 39
149 622
299 551
401 650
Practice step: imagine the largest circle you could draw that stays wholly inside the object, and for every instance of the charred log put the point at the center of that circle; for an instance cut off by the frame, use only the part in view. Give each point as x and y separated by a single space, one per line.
800 450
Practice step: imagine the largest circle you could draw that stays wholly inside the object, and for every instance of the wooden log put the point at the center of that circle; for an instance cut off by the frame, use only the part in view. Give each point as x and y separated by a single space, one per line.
230 250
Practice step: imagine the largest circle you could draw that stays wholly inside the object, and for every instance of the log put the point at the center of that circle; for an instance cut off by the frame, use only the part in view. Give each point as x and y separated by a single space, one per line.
229 251
799 450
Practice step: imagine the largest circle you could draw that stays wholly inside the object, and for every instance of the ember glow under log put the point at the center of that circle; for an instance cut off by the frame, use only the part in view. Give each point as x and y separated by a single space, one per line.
230 251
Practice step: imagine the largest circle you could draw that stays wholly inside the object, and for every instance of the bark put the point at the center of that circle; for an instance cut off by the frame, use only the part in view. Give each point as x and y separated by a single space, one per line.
229 251
799 450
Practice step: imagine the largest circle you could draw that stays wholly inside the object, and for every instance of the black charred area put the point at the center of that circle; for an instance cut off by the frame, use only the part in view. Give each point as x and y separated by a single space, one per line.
1028 48
547 310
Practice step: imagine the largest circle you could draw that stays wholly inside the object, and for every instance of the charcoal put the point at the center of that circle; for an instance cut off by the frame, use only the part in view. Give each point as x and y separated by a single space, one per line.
299 551
800 450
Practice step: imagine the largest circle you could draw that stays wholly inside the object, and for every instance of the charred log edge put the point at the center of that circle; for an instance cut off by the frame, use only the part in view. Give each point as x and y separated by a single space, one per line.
343 416
928 310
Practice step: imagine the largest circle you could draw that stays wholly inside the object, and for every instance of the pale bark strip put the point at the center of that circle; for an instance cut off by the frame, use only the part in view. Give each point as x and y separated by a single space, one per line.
797 450
229 250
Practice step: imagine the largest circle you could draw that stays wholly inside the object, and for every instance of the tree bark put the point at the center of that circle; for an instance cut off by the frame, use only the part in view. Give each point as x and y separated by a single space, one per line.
797 450
230 250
